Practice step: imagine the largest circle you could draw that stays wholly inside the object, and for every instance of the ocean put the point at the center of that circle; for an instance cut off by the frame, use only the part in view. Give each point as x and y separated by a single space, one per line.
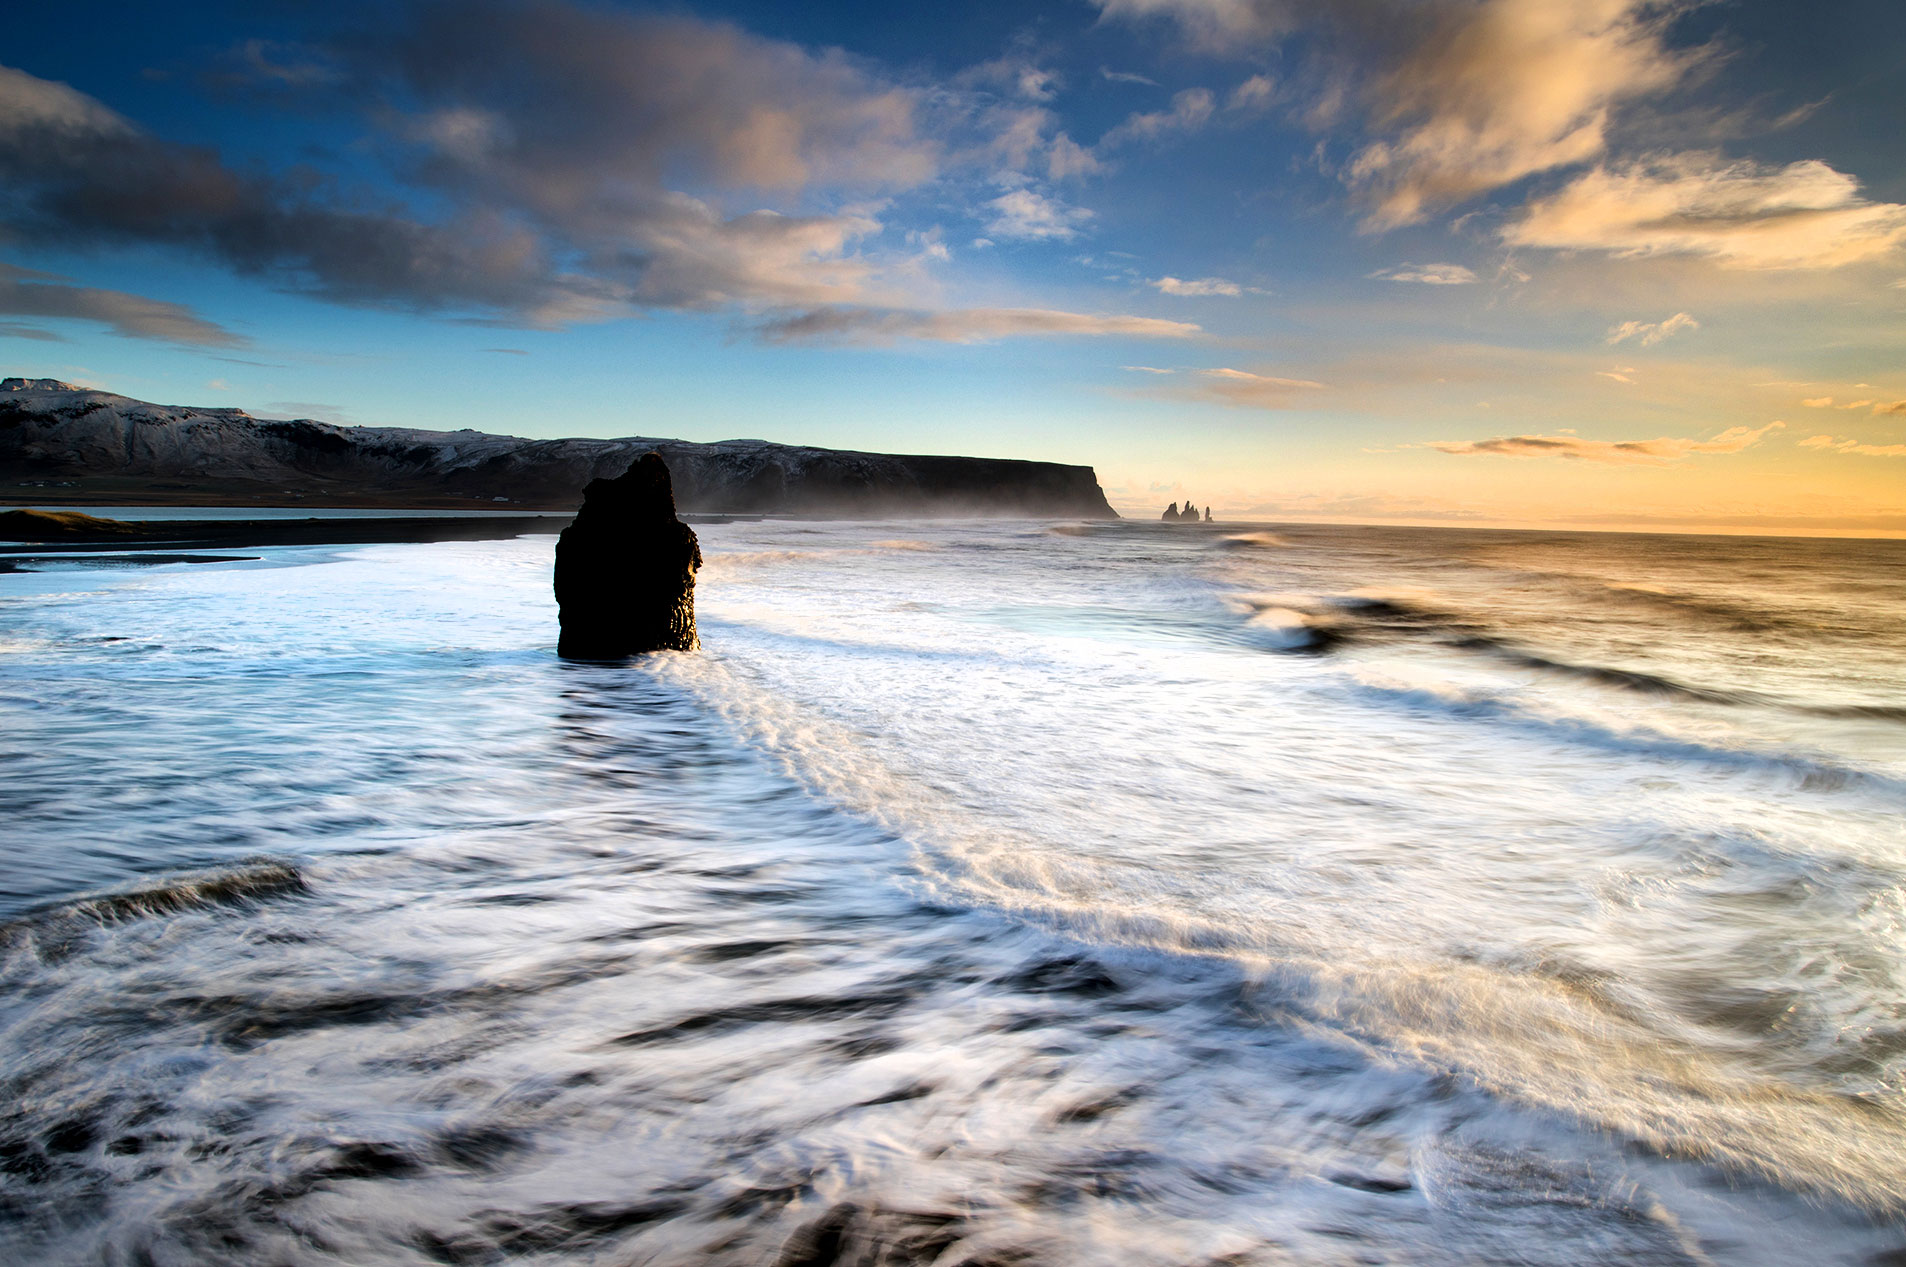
985 893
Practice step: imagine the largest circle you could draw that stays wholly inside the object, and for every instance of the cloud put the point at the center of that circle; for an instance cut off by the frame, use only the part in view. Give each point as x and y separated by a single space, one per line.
1740 214
1190 110
1427 274
1890 407
1495 91
296 409
1017 73
1623 452
1028 216
79 176
1245 390
27 293
1066 158
1617 375
1125 77
1652 332
701 260
552 142
1213 24
1253 94
968 325
19 330
1201 286
1146 369
1819 402
1833 444
1458 97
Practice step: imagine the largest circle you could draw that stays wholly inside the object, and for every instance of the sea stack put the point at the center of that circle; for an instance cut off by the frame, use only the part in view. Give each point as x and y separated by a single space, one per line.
625 569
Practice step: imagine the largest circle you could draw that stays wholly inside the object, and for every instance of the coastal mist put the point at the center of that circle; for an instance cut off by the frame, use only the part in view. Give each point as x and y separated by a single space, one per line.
984 893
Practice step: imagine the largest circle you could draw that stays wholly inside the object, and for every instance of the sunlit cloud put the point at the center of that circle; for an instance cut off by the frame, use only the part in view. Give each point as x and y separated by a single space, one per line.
1426 274
1456 98
1199 286
1025 215
968 325
1818 402
1834 444
1649 333
1253 391
1623 452
1504 89
1739 214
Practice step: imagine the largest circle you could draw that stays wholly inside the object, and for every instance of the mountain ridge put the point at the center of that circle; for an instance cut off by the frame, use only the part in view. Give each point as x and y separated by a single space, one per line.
102 445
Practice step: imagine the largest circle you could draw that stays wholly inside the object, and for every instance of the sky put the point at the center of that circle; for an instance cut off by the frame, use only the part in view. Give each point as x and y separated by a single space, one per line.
1564 263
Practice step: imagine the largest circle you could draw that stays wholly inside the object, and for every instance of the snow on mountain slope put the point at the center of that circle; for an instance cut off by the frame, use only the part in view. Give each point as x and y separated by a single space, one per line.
53 430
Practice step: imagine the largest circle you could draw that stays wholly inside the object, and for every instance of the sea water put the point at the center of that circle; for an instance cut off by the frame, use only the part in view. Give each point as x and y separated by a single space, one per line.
984 893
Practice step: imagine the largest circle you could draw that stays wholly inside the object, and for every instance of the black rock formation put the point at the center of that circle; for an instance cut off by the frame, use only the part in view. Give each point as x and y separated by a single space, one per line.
1189 515
625 569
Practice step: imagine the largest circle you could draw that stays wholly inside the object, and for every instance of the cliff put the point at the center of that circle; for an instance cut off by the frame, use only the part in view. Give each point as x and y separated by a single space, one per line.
96 446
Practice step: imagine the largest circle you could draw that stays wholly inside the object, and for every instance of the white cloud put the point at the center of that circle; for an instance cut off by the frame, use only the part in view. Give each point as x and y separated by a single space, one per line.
1066 158
1200 286
1190 110
1025 215
1215 24
1622 452
1254 93
1652 332
1427 274
1741 214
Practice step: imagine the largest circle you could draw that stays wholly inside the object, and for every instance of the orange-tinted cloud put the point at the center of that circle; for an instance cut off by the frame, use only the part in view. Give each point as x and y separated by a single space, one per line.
1834 444
1741 214
1625 452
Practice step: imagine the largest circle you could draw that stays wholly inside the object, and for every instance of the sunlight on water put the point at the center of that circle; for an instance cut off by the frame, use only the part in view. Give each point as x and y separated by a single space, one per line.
985 893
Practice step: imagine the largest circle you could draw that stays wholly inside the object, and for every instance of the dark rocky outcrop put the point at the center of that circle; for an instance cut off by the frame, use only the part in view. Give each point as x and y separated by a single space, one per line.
110 450
1189 515
625 569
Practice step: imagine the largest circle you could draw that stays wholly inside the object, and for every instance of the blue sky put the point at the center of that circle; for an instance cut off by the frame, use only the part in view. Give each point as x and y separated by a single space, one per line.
1572 262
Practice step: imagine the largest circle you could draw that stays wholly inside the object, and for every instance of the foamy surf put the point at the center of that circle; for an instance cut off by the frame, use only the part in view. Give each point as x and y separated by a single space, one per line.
1041 898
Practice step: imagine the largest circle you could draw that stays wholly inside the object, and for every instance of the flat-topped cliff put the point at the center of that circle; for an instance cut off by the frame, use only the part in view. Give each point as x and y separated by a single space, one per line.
97 445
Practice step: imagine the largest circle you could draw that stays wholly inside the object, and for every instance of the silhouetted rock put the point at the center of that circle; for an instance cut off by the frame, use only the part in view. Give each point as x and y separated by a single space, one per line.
625 569
1171 514
1207 514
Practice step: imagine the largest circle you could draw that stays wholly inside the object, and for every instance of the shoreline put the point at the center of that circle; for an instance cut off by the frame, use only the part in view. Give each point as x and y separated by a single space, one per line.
230 534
